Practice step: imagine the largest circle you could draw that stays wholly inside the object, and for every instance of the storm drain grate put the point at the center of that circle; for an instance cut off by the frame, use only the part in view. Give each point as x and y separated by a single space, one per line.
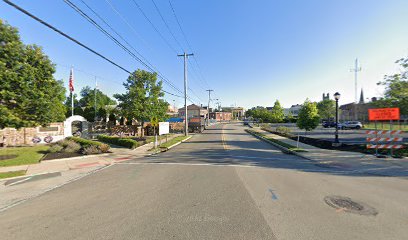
348 205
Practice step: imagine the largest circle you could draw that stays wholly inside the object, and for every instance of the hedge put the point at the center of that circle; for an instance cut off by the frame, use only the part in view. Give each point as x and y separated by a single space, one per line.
124 142
85 142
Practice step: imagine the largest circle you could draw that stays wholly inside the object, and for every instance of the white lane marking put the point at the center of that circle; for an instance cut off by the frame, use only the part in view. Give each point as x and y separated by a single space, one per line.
50 189
308 170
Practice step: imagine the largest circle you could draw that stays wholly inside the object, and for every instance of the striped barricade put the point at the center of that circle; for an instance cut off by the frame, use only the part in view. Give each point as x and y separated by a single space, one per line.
382 142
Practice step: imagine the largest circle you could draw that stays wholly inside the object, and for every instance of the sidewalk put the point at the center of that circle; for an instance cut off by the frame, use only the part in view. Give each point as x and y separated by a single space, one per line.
343 159
118 154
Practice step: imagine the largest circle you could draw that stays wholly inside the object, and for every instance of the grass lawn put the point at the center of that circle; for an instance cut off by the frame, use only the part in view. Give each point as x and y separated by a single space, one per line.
283 144
386 126
173 141
24 155
12 174
150 139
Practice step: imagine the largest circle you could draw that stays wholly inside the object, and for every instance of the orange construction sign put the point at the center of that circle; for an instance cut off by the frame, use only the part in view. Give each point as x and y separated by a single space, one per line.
382 114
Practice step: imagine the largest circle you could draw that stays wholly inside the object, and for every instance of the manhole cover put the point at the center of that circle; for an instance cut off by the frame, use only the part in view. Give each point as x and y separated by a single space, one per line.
348 205
6 157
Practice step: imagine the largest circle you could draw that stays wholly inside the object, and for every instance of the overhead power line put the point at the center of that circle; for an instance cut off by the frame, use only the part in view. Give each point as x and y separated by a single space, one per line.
167 26
120 36
117 42
200 74
154 27
72 39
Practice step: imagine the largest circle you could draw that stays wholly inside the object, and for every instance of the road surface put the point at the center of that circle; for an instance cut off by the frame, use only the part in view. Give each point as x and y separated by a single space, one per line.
223 184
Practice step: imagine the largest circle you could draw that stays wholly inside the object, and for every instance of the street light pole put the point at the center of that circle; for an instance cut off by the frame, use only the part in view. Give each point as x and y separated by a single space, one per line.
336 135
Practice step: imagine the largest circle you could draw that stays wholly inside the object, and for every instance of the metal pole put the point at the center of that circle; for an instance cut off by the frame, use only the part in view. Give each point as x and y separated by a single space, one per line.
208 106
96 86
336 135
72 103
185 55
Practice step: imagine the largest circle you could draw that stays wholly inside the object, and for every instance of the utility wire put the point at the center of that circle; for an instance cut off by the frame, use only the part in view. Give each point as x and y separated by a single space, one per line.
188 43
77 9
167 26
120 36
154 27
128 24
71 39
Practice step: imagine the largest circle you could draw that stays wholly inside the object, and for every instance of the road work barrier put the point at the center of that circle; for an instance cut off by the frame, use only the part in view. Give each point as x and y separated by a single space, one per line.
393 141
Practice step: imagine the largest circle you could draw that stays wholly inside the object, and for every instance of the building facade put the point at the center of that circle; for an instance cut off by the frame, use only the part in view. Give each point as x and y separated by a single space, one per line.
221 116
192 111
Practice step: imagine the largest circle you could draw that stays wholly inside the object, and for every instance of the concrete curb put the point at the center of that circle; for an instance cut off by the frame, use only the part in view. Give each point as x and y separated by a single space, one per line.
170 147
283 149
79 157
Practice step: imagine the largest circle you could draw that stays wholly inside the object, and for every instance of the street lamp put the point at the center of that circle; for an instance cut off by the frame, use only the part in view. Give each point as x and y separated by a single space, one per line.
336 136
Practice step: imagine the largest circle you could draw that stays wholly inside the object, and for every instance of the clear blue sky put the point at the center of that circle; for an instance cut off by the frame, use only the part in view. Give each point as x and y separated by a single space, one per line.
250 52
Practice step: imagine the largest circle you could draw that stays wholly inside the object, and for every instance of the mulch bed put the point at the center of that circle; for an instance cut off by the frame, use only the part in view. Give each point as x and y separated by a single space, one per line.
6 157
58 155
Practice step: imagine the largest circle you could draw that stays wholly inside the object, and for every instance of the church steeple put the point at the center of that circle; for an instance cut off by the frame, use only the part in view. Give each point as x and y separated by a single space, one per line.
361 97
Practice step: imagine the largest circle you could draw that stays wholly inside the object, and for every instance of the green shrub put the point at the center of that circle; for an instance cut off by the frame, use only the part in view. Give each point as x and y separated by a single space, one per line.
92 149
63 143
124 142
283 130
104 148
84 142
55 148
72 147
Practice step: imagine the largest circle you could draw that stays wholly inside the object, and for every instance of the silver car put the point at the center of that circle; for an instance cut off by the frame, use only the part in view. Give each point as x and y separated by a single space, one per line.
351 125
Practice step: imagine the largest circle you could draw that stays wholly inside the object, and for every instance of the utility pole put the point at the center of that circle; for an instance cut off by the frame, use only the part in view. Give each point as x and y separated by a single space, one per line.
208 106
96 87
356 69
185 56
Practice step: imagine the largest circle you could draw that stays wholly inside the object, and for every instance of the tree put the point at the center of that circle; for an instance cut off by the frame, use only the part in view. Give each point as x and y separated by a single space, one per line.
327 109
143 98
277 114
29 94
396 89
87 102
308 118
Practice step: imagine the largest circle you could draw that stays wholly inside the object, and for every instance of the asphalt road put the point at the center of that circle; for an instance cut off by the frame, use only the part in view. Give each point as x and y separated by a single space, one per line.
223 184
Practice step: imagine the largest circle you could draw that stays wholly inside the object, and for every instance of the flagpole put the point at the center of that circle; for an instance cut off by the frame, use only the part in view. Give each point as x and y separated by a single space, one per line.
71 89
96 87
72 103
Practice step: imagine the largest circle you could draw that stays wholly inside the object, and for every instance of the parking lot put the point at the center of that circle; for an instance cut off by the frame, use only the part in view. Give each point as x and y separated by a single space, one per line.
349 136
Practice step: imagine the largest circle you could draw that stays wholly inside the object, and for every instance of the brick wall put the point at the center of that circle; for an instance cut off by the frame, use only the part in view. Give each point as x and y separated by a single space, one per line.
24 136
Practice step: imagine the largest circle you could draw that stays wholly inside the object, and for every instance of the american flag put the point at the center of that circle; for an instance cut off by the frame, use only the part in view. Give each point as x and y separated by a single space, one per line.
71 80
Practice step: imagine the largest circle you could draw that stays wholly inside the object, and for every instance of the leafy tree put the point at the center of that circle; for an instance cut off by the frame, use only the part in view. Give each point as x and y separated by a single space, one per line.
143 98
308 118
87 102
88 98
327 109
68 105
29 94
277 114
396 89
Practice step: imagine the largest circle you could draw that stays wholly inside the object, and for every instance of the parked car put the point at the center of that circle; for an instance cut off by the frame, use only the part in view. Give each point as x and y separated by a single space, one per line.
246 122
328 124
350 125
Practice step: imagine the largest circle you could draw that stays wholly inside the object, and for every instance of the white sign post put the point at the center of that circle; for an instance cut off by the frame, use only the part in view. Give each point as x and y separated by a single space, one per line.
164 128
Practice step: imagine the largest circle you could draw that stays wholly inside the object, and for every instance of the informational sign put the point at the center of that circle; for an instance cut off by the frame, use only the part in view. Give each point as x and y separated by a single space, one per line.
164 128
382 114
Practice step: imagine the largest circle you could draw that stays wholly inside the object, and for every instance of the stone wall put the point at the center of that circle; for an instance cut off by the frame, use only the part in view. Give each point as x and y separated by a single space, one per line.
30 136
